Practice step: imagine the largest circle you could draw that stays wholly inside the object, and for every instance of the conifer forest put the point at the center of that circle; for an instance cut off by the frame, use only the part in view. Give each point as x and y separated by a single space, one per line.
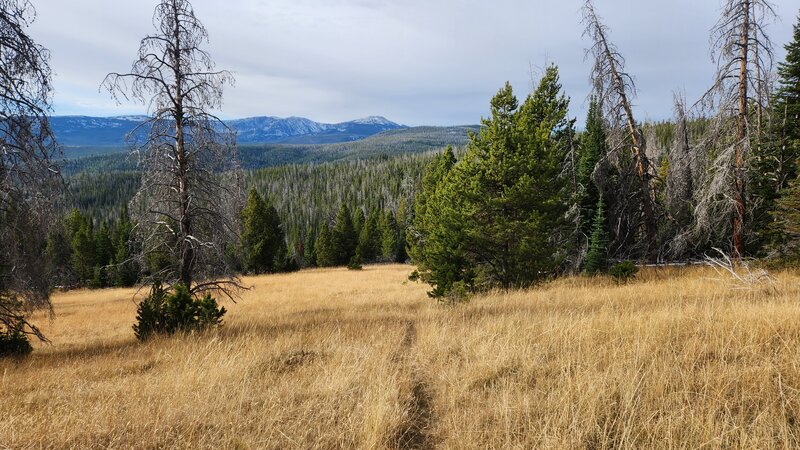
540 279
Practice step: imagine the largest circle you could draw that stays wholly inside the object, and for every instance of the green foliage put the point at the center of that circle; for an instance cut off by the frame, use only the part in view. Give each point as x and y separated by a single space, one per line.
597 256
785 229
390 238
497 218
14 343
82 245
623 272
263 243
592 149
164 312
309 250
343 238
369 242
355 261
324 248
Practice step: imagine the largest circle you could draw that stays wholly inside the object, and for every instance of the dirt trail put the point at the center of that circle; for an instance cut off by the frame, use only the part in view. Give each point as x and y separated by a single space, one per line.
415 432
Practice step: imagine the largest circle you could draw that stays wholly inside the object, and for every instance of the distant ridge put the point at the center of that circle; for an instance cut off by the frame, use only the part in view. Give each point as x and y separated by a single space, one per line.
111 131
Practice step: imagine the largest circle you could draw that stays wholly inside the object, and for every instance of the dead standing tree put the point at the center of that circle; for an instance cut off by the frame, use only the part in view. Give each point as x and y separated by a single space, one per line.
614 89
743 53
29 180
185 210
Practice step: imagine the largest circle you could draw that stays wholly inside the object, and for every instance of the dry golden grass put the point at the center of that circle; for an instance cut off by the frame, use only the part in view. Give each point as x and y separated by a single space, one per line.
331 359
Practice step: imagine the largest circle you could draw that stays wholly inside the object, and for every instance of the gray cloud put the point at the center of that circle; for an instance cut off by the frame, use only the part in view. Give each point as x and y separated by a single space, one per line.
414 61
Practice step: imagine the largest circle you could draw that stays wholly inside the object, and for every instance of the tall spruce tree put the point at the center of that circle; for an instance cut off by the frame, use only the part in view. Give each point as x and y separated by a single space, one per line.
786 120
418 232
597 256
593 149
324 247
344 240
369 242
261 234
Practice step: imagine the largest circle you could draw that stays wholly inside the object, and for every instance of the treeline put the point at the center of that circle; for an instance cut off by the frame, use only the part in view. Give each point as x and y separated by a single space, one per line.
97 254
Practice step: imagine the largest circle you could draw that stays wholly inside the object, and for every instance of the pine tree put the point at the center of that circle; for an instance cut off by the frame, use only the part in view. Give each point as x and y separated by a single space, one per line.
390 237
343 237
324 247
261 234
309 250
786 118
126 268
82 247
597 256
358 221
434 174
497 219
370 238
593 148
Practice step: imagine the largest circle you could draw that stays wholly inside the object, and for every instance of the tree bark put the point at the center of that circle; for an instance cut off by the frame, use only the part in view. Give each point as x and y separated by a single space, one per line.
741 136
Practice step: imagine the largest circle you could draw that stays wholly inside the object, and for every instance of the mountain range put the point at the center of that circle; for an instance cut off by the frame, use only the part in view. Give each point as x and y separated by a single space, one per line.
83 131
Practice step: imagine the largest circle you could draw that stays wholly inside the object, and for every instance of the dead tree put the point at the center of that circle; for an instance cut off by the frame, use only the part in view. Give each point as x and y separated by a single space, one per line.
29 178
614 89
743 53
679 189
186 209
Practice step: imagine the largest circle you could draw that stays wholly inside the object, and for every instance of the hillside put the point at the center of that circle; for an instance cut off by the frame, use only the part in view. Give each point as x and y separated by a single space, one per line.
336 358
108 134
253 156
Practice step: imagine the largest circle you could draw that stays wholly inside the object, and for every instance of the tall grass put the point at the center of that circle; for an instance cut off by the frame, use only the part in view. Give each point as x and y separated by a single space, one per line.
680 358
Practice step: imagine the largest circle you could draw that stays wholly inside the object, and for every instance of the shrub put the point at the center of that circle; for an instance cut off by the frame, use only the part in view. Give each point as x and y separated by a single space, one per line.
623 272
163 312
14 343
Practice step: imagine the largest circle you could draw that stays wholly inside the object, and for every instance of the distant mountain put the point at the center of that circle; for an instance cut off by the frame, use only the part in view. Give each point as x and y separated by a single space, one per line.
252 156
85 131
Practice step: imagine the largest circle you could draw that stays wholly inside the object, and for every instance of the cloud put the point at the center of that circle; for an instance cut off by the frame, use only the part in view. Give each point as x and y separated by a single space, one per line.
414 61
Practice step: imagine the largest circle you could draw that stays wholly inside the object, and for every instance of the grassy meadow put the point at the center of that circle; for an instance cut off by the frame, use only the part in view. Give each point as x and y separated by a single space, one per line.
320 359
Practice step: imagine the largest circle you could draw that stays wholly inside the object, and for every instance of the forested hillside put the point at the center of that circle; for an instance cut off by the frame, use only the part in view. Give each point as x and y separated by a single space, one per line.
253 156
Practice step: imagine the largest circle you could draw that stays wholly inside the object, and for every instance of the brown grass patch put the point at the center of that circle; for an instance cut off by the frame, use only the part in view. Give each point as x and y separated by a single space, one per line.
680 358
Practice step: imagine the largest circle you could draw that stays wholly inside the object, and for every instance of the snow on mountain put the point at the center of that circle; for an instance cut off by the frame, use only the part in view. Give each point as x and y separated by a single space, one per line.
108 131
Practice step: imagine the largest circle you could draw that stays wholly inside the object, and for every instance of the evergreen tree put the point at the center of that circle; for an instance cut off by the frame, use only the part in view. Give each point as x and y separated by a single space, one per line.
497 219
261 234
324 247
309 252
786 120
597 256
593 148
390 237
82 247
370 238
787 106
126 268
343 237
358 221
432 177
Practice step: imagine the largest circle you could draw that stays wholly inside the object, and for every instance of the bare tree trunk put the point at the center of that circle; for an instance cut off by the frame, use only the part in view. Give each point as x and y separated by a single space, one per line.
741 136
607 73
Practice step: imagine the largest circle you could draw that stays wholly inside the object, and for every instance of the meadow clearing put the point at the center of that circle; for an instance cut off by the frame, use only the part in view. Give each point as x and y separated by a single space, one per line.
330 358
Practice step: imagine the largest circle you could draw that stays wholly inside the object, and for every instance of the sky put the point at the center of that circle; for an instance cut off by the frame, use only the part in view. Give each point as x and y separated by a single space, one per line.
416 62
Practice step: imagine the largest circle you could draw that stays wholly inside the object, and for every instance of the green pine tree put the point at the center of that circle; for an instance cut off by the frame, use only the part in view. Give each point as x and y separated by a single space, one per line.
497 219
324 247
343 237
390 237
597 256
309 252
370 238
593 148
785 230
261 234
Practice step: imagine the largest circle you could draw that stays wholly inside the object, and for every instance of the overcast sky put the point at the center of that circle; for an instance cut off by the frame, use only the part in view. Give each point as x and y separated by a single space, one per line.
417 62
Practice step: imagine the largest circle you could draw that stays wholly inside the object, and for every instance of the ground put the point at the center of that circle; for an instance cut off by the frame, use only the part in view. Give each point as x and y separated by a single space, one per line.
679 358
